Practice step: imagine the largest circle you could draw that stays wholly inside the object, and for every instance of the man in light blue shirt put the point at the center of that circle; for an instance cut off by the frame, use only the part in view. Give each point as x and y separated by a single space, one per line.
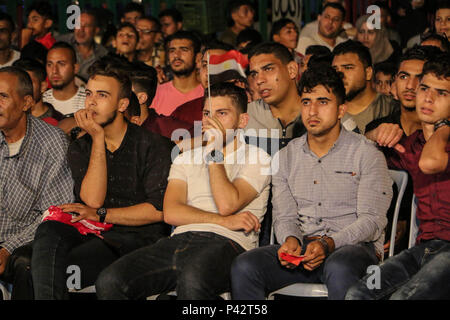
331 192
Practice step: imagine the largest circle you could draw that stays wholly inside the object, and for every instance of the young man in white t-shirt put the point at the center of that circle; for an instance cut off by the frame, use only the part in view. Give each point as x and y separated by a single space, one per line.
216 199
7 54
65 96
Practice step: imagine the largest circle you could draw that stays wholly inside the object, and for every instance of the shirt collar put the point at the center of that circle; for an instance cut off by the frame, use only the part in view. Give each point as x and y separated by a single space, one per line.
26 138
340 140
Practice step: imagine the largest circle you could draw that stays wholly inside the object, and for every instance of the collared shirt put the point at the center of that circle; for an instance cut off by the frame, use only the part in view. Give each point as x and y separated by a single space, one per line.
31 181
137 172
344 194
266 131
432 190
97 52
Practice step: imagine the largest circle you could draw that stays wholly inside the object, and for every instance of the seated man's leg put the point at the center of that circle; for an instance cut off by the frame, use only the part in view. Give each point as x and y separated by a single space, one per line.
18 273
203 263
394 272
258 272
345 266
52 243
432 281
144 272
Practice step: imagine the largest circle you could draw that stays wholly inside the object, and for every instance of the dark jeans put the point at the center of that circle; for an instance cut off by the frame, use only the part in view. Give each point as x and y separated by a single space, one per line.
257 272
57 246
422 272
17 272
195 264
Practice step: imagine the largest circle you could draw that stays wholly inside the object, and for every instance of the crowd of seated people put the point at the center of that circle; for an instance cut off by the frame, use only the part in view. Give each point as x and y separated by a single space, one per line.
159 159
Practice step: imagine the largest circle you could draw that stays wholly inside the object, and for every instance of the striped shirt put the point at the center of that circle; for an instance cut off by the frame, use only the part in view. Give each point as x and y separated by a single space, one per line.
344 194
69 106
31 181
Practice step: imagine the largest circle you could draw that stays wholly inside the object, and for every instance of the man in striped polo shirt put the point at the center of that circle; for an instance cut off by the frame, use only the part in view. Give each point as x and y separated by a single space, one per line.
65 96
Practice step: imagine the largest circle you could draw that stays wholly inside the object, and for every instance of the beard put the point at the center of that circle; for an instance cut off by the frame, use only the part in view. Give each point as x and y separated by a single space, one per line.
354 92
186 71
60 86
109 120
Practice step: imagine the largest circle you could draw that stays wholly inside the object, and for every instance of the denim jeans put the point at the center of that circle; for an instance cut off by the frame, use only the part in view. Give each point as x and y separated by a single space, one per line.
195 264
57 246
258 272
421 272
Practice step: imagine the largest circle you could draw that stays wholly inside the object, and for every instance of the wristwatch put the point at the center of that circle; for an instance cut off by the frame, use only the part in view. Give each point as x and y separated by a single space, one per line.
101 212
214 156
440 123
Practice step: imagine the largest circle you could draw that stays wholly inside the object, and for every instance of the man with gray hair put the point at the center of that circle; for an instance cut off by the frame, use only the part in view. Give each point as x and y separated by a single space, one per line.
34 176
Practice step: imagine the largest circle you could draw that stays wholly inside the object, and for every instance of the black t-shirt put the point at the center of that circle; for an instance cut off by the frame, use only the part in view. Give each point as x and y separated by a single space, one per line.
137 172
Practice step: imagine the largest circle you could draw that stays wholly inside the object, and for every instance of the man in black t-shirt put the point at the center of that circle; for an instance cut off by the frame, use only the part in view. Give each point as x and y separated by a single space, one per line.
120 172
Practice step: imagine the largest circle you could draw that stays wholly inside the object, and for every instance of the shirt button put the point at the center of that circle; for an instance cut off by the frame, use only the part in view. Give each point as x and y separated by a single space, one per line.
320 161
320 203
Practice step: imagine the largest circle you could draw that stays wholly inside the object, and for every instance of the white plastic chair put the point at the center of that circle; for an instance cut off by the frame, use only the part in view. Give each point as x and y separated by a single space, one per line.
319 290
414 225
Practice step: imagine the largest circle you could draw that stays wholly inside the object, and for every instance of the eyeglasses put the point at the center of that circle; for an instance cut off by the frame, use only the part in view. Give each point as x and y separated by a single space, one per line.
146 31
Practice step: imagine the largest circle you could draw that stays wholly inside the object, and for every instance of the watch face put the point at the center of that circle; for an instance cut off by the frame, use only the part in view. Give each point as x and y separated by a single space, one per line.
101 211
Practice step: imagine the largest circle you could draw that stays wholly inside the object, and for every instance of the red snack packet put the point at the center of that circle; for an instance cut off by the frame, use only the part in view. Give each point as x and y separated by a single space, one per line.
292 259
83 226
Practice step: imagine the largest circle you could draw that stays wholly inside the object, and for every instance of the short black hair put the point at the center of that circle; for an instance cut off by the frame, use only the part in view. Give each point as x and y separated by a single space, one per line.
442 4
43 8
34 66
93 13
278 50
65 45
215 44
233 6
280 24
104 67
133 6
317 49
336 6
182 34
6 17
387 68
144 79
24 83
434 36
34 50
422 53
439 65
356 47
325 76
127 25
249 34
226 89
173 13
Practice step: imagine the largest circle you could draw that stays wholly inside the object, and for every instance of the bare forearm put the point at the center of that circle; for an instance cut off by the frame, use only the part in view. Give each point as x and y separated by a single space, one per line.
434 158
178 214
225 194
94 185
137 215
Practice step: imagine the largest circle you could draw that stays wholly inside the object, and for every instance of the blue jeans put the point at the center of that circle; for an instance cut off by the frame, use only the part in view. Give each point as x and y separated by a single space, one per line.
258 272
422 272
57 246
195 264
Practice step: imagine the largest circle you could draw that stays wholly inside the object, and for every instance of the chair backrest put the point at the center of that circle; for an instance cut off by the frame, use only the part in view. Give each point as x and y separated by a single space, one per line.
414 225
401 180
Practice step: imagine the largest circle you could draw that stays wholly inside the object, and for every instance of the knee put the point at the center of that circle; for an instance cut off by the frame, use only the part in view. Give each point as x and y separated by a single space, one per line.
359 291
46 229
107 283
242 267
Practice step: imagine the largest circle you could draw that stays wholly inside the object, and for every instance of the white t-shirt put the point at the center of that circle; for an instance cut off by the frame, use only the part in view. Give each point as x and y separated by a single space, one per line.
15 56
248 162
305 42
14 147
69 106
